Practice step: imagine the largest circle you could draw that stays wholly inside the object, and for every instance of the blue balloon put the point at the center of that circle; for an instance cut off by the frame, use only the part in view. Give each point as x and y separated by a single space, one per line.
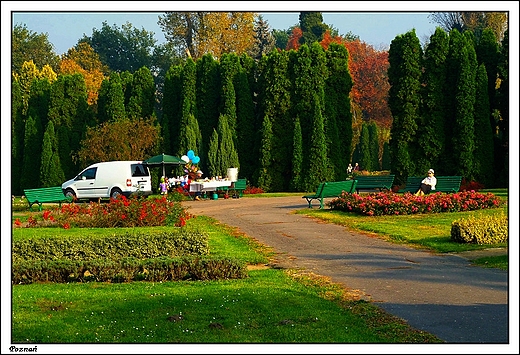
190 154
195 159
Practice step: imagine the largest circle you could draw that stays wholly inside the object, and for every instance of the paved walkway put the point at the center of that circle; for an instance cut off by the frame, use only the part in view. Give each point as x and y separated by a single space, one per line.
441 294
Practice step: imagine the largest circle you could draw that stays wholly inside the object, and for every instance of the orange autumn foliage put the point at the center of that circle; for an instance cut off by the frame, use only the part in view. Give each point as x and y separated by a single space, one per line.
85 61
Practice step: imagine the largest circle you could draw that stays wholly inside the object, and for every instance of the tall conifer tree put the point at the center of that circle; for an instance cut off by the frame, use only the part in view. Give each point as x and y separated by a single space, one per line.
404 75
484 152
189 131
462 67
51 173
432 123
338 125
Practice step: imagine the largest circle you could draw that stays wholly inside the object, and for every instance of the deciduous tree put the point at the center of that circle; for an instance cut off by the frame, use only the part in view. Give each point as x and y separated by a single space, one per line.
105 142
27 45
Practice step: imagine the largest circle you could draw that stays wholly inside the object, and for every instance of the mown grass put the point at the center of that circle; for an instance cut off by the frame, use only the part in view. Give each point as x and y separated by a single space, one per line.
270 306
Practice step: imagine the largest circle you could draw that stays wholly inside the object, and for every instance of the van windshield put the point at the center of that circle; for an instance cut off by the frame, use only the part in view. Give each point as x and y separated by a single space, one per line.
139 170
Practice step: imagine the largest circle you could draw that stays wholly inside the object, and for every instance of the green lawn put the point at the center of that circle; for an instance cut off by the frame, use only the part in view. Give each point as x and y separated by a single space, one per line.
270 306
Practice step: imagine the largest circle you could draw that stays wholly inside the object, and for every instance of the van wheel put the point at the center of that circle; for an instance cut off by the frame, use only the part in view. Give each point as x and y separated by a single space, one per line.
70 193
115 193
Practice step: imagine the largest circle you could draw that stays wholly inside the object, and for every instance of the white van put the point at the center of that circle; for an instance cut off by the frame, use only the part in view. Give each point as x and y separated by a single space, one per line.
110 179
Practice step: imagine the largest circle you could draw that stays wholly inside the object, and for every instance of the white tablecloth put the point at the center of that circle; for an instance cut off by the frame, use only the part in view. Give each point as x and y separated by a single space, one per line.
196 186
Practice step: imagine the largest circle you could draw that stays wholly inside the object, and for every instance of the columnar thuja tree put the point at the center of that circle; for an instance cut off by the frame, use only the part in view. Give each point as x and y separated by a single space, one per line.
484 151
296 177
365 151
172 108
51 173
432 122
69 108
318 167
275 148
208 99
462 68
338 125
111 100
404 75
373 140
142 95
227 155
32 153
189 131
37 111
17 129
246 124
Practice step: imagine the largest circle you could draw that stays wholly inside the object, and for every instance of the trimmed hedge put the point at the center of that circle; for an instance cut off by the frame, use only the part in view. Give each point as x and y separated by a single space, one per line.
175 243
481 230
127 270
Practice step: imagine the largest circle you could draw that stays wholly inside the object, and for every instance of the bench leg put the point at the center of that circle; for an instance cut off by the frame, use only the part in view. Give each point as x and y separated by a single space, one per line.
321 203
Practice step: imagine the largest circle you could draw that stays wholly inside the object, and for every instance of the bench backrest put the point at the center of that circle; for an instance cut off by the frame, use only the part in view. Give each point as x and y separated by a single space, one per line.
335 188
319 189
240 184
44 194
375 181
412 184
448 183
444 184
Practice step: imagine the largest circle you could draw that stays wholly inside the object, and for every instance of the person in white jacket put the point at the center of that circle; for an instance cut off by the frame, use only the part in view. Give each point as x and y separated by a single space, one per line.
428 184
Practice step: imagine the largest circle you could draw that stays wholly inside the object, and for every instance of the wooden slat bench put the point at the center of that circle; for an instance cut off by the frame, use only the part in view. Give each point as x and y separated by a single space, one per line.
448 184
330 189
45 194
374 182
238 187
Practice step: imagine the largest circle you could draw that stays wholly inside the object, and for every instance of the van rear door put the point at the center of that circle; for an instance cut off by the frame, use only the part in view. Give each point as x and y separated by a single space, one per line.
141 178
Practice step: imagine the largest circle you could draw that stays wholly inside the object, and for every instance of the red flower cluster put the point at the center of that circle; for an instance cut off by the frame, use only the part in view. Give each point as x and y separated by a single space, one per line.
390 203
120 212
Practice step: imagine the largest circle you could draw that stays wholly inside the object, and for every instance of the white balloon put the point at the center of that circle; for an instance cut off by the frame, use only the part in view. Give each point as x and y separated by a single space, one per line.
185 158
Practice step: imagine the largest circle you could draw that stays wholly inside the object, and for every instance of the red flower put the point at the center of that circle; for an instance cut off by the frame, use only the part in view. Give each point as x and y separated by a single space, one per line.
17 222
66 226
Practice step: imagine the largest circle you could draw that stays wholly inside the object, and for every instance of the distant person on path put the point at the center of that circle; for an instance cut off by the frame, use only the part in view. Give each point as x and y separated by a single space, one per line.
356 167
428 184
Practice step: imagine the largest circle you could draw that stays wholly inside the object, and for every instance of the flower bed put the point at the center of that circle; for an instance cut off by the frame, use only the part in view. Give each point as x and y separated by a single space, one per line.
390 203
120 212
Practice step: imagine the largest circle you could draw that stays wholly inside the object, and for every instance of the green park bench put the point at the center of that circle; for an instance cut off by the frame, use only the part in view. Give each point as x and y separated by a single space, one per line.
238 187
330 189
446 184
374 182
44 195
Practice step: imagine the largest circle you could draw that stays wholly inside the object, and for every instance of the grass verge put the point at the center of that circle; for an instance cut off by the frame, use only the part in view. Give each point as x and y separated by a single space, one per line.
270 306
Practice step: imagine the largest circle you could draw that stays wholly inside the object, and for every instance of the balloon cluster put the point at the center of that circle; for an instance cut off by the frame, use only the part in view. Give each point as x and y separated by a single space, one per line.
191 168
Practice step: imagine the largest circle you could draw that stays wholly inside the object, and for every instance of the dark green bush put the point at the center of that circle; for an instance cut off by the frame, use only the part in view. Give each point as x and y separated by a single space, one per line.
481 230
127 270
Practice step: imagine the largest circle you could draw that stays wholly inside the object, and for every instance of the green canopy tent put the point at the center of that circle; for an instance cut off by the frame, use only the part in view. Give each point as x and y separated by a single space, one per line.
163 160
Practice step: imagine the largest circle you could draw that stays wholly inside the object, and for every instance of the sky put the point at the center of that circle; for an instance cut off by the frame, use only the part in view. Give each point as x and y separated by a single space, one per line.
377 29
376 23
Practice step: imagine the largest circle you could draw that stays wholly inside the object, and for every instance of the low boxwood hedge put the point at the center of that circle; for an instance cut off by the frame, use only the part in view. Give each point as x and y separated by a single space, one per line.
126 270
142 245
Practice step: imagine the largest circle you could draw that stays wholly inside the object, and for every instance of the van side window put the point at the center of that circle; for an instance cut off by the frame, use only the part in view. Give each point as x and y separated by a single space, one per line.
89 174
138 170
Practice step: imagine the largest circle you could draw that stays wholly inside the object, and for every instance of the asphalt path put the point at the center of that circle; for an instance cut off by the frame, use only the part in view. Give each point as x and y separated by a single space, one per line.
442 294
